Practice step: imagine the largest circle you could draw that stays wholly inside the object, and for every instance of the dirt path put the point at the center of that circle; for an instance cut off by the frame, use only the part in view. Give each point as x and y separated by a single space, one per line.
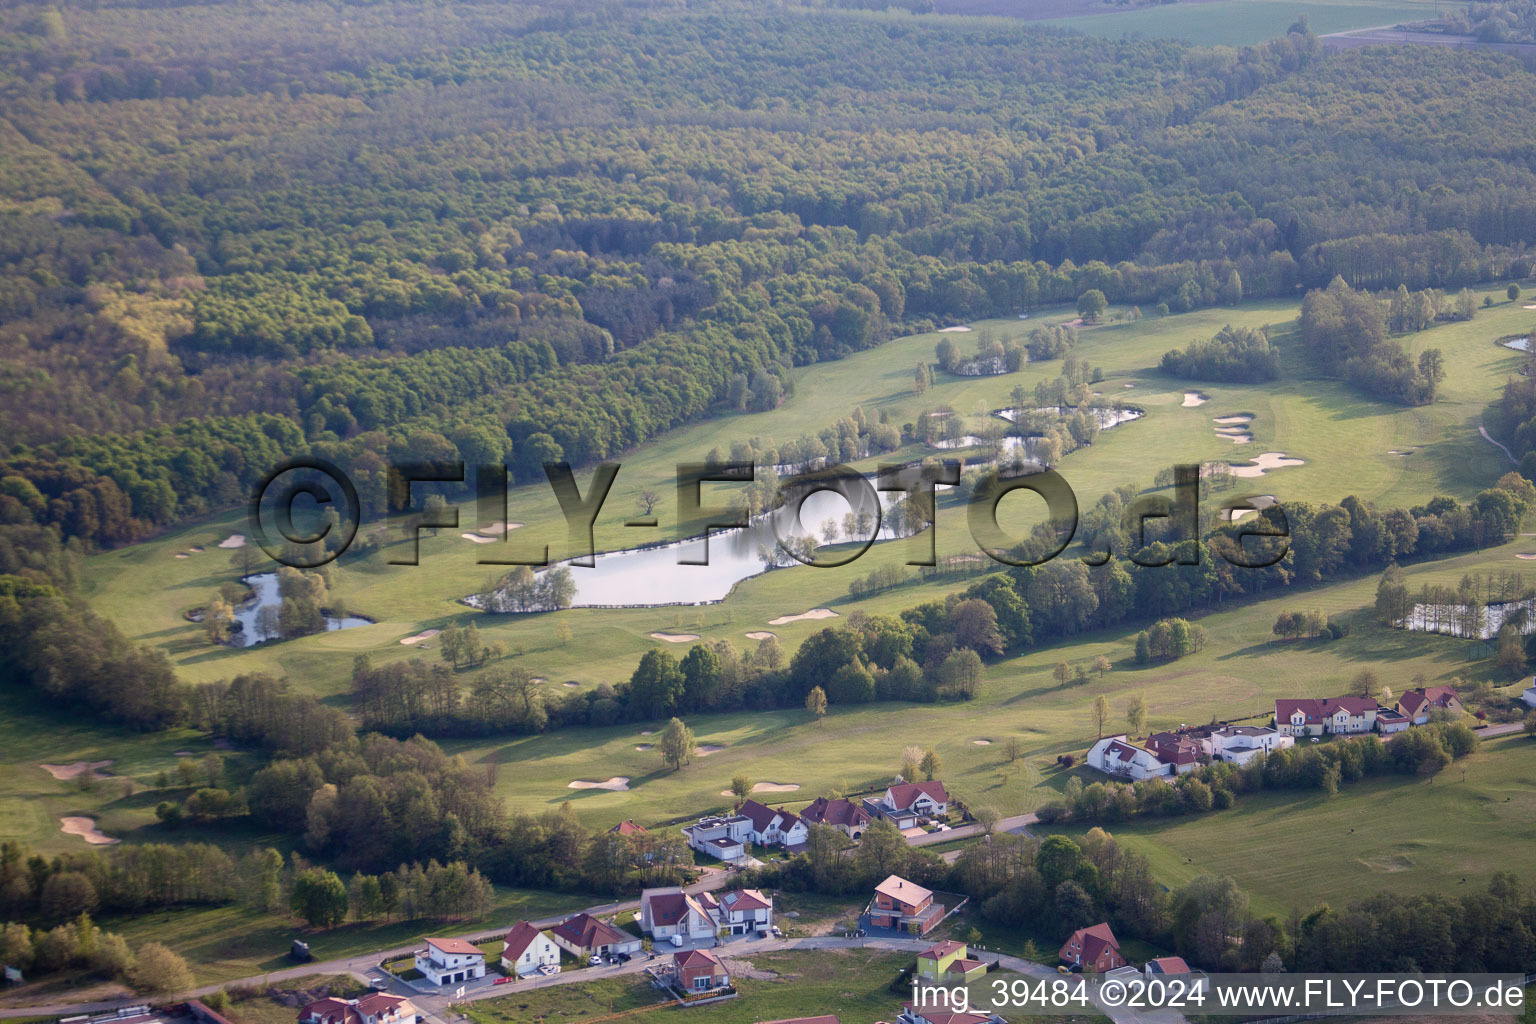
1489 438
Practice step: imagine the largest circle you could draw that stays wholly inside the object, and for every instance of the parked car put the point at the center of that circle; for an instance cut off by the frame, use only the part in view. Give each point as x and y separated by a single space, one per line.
619 958
776 933
504 981
594 960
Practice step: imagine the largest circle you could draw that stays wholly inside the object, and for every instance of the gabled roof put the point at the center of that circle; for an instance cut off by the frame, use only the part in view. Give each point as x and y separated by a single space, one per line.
826 1018
330 1010
761 816
1168 965
937 1016
1415 700
904 793
1093 940
745 899
586 932
898 888
1172 748
376 1003
835 812
519 939
628 828
458 946
1318 708
343 1011
670 906
942 950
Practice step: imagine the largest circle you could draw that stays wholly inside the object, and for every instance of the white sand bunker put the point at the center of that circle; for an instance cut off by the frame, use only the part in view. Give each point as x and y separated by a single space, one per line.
499 528
617 783
982 743
234 540
476 538
705 749
1127 385
570 685
1526 556
768 787
1194 398
761 634
182 554
814 613
1266 462
645 746
426 634
1238 418
954 330
1529 305
65 772
675 638
647 732
1234 435
86 829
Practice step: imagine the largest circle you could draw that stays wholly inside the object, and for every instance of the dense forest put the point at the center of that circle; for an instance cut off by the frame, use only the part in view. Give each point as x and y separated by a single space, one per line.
522 232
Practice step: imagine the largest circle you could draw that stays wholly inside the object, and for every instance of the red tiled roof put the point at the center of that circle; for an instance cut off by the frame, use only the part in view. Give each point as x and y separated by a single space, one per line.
936 1016
454 946
1434 696
696 958
1169 964
746 899
519 939
898 888
835 812
330 1011
586 932
826 1018
962 966
1318 708
376 1003
1092 942
942 950
628 828
904 793
669 908
761 816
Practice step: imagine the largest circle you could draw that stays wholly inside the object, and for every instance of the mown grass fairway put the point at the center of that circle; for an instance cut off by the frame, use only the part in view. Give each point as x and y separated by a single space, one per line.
1398 835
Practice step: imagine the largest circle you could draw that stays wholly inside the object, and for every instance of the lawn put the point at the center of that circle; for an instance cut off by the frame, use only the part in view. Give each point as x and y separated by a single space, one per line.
1403 835
1244 22
852 983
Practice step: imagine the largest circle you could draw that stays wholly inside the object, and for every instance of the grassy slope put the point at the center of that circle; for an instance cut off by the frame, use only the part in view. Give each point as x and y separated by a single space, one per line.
1244 22
1402 835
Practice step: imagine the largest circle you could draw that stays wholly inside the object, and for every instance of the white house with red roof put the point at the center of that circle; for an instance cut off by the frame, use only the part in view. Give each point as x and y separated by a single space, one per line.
374 1008
906 802
1093 949
584 935
1314 716
450 961
744 911
1171 968
671 911
774 826
1240 744
1118 756
1177 750
529 950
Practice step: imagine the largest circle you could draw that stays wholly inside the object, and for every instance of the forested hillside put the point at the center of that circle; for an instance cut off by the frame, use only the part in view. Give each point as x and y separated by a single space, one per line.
511 231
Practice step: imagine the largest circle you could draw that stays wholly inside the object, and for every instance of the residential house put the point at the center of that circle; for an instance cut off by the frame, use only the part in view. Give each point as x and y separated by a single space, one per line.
774 826
1240 744
913 1013
1391 720
904 906
722 838
949 963
374 1008
843 815
1420 703
668 912
1177 750
1314 716
584 935
1529 696
743 911
450 961
1171 968
1117 756
529 950
907 802
628 828
1093 949
699 970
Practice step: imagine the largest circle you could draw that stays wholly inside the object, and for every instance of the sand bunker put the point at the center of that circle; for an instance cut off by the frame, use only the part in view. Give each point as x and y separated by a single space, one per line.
814 613
675 638
647 732
65 772
86 829
761 634
182 554
615 784
234 540
1193 398
705 749
1525 556
1266 462
1529 305
497 529
645 746
571 685
477 538
1226 421
1127 385
954 330
426 634
768 787
982 743
1236 437
182 753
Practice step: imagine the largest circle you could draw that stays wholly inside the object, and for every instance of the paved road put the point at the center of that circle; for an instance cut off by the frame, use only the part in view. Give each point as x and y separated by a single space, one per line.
1016 823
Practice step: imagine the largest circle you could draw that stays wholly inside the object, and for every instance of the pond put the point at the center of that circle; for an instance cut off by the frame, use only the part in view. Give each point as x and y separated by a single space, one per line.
248 615
1465 621
1521 342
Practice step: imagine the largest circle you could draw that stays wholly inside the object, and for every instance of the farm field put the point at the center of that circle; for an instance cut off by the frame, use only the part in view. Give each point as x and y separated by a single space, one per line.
1403 835
1229 22
1345 441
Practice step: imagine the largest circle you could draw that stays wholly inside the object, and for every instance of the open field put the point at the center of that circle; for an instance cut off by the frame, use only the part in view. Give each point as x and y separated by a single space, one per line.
1402 835
1225 22
1344 440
